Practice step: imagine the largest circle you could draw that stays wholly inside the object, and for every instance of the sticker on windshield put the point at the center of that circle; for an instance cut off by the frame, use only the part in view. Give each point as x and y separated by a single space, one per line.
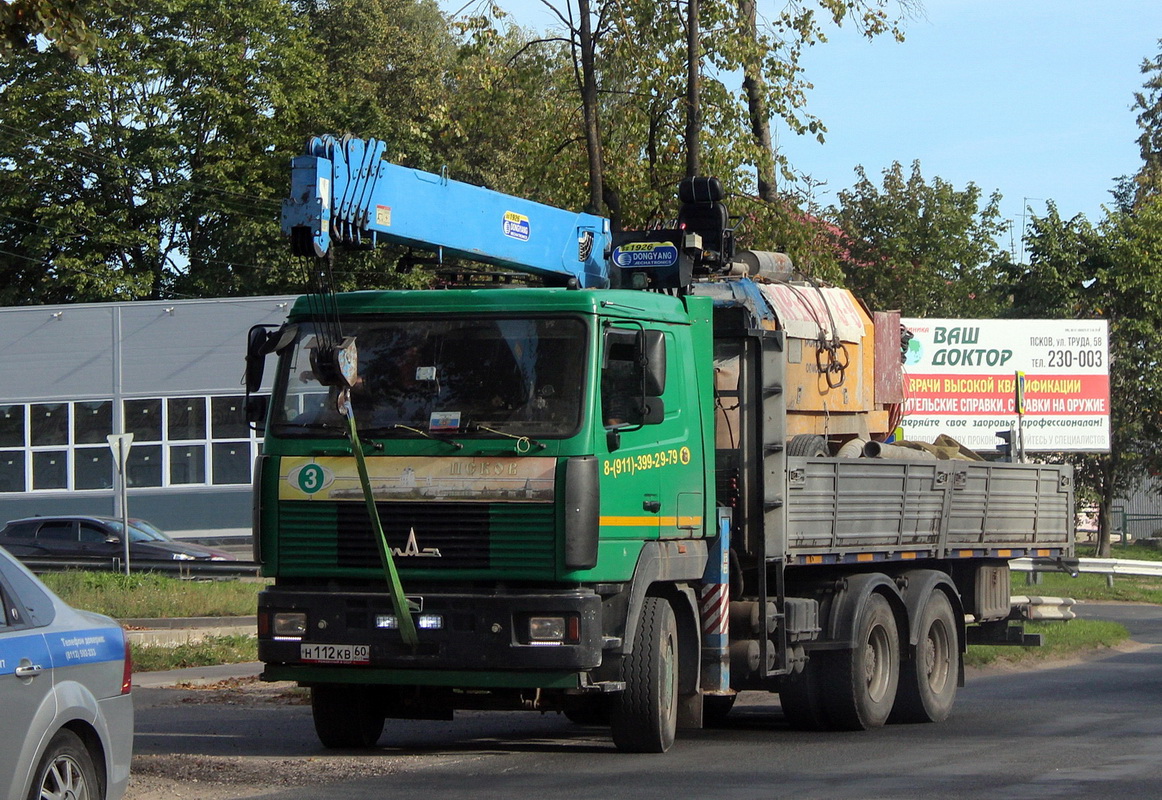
444 421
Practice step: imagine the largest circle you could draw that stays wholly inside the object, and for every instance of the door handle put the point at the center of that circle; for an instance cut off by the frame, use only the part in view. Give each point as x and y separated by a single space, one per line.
29 670
652 506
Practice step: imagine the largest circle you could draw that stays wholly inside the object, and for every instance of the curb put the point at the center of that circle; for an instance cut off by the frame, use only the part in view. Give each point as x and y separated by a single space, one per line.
195 676
171 631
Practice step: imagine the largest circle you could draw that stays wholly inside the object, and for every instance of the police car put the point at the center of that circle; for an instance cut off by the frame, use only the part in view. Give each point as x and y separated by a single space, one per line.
65 679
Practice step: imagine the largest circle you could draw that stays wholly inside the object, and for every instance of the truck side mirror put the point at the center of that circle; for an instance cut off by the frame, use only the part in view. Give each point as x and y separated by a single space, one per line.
652 347
256 350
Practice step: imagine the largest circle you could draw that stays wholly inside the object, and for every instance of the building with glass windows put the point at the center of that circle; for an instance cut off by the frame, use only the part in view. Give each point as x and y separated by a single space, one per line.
170 373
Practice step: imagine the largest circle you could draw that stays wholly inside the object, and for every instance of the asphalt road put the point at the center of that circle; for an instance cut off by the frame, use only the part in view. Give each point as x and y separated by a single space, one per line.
1086 730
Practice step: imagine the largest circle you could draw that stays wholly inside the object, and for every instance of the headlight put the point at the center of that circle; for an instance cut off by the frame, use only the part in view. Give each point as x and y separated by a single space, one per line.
289 624
183 557
554 630
546 630
424 622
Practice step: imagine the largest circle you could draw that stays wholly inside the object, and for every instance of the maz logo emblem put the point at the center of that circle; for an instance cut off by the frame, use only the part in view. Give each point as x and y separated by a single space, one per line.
412 549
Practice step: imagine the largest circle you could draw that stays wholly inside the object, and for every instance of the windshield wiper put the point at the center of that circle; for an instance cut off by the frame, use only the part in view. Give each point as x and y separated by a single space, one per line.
437 437
290 427
526 441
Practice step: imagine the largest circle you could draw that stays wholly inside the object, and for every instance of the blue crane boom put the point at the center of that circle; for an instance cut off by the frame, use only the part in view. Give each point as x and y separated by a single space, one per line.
343 191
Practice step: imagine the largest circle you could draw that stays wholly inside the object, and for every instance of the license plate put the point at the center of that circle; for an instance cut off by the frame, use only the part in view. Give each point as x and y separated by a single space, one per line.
335 653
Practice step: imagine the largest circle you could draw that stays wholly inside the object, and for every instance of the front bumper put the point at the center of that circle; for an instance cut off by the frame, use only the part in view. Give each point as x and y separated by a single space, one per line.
482 632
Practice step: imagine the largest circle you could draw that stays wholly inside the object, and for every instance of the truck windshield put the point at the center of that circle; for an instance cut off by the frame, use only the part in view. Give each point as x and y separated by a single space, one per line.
521 377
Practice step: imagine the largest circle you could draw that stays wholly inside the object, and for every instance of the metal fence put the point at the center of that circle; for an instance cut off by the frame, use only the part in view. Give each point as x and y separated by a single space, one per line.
1093 566
180 569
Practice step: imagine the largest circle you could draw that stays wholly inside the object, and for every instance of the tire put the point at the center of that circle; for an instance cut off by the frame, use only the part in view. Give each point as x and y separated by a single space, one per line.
346 716
929 682
644 717
861 683
811 445
802 699
66 770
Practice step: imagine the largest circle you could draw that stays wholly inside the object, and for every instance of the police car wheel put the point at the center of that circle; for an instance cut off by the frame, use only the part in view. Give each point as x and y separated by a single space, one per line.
65 771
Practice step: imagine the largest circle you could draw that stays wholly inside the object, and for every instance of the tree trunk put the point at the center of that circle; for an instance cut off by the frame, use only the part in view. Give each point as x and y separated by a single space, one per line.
1105 515
693 89
589 109
756 100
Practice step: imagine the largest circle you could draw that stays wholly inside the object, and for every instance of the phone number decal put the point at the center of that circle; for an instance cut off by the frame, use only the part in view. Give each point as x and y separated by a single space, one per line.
629 465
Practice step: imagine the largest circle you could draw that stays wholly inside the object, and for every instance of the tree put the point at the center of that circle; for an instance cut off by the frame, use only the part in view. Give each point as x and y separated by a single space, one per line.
157 168
927 249
1112 271
60 22
1148 103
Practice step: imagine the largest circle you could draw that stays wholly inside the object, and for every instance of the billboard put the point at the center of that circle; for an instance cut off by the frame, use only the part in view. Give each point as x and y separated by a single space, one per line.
962 379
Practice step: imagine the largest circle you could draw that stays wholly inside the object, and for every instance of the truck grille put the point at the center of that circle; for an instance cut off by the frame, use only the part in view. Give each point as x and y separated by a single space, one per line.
514 538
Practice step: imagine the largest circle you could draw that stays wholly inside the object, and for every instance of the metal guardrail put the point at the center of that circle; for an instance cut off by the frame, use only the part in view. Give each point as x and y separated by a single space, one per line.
183 569
1094 566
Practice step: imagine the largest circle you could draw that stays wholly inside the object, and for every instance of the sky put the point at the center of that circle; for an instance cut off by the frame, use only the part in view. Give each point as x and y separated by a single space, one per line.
1031 98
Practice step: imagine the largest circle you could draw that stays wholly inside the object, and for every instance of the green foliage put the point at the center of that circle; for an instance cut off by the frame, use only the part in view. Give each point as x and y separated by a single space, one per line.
207 652
927 249
1112 271
148 595
152 170
61 22
1148 104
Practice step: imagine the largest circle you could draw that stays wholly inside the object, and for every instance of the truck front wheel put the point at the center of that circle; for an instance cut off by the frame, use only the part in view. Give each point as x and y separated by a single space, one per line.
860 684
928 683
346 716
645 715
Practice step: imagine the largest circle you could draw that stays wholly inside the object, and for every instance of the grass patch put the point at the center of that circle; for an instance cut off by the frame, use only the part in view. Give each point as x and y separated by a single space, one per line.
210 651
1060 639
1135 551
150 595
1126 588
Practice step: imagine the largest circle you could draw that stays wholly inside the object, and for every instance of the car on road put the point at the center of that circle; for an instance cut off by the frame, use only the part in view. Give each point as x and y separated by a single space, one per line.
98 537
65 692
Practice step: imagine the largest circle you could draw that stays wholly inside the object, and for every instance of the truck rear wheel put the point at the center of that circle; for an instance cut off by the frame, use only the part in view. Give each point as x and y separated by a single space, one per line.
346 716
861 683
928 683
645 715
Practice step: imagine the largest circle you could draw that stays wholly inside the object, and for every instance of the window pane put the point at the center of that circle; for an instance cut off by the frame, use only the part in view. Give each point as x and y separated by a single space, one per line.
92 422
93 468
143 420
144 465
58 531
187 417
229 415
11 426
50 470
187 464
92 534
50 423
232 462
12 472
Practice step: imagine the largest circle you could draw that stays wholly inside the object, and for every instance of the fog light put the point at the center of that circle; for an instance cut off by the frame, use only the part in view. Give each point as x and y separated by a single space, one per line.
291 624
430 622
546 630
